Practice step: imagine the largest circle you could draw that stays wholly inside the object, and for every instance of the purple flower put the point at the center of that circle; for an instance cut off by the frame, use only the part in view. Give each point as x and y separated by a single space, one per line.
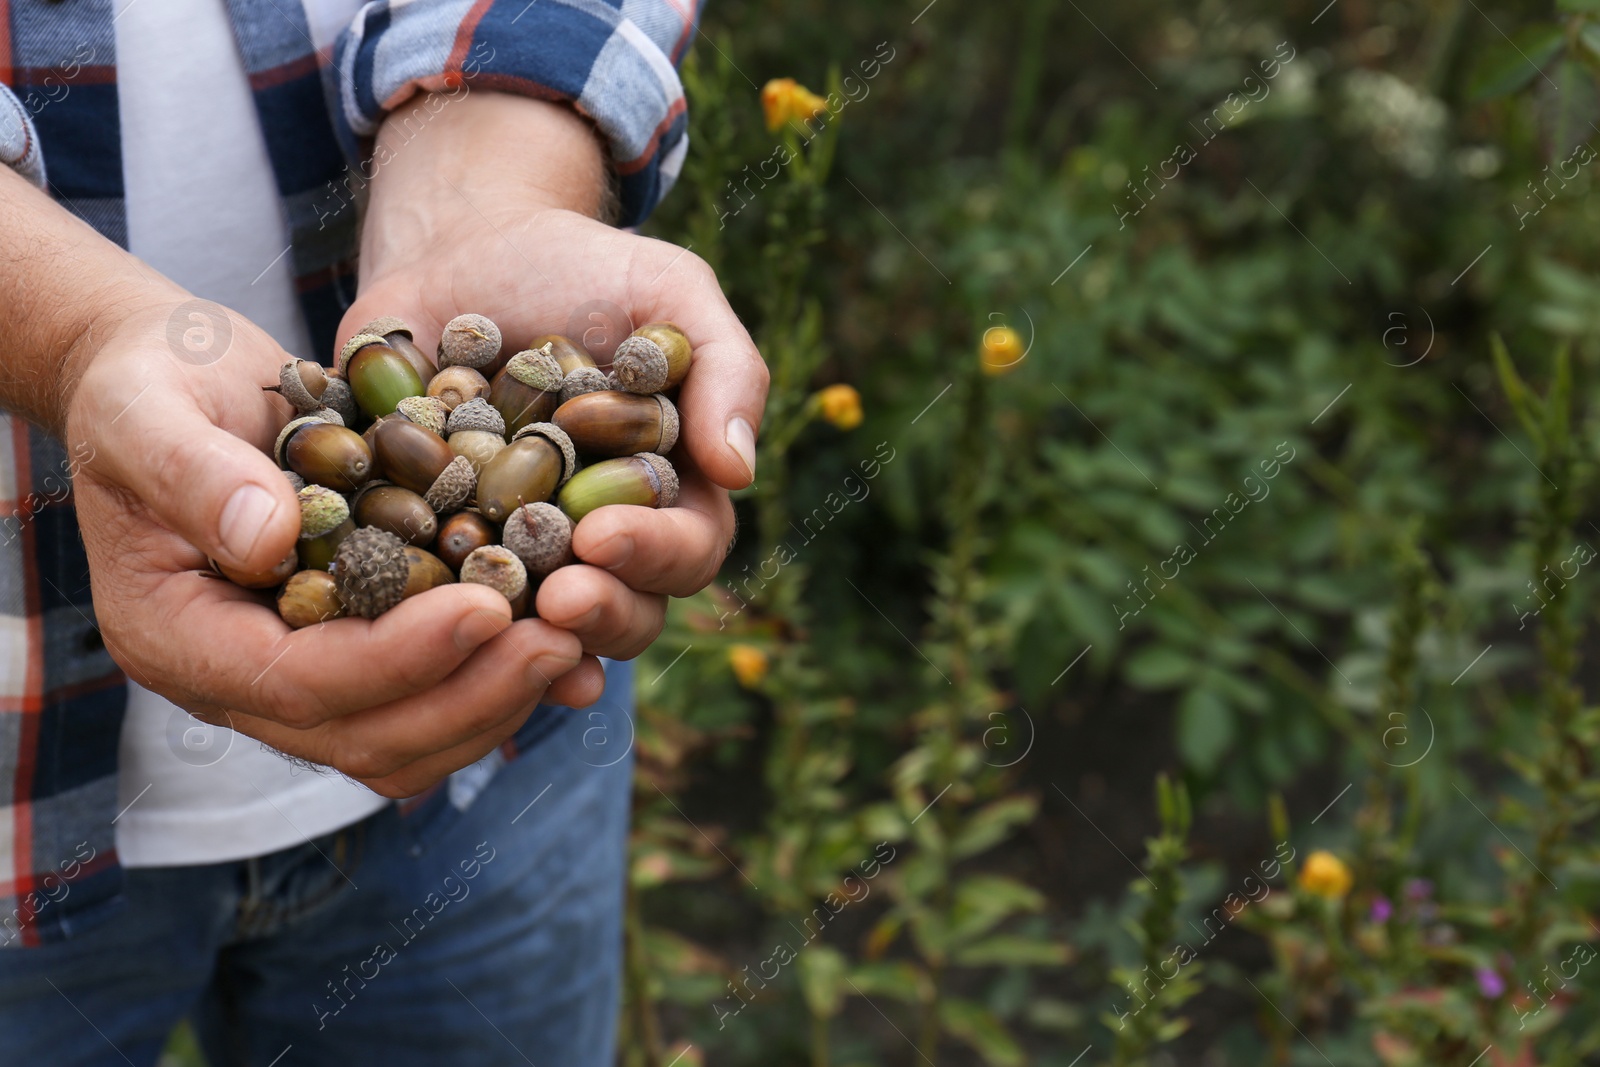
1418 889
1381 910
1490 984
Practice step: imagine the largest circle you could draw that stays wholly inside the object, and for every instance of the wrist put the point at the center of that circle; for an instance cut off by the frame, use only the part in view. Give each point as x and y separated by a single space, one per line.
448 164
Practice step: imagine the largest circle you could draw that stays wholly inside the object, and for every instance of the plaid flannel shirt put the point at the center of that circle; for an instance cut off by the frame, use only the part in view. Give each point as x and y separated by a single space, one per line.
324 74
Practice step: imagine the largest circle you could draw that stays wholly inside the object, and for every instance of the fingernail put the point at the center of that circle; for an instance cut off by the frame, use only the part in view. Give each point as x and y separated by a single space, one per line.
247 513
477 627
613 552
742 439
548 667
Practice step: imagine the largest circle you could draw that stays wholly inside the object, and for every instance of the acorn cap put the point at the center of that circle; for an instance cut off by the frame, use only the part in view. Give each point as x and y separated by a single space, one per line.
583 380
666 478
536 368
385 325
296 482
453 487
429 412
640 366
476 414
541 536
558 437
356 344
498 568
370 571
469 341
326 415
338 397
669 424
321 510
287 432
293 387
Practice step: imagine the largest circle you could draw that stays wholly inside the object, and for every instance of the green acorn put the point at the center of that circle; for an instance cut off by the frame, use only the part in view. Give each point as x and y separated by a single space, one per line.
646 479
379 376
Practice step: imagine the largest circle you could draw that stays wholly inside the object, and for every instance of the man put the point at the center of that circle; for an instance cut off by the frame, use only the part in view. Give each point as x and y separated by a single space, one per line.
155 865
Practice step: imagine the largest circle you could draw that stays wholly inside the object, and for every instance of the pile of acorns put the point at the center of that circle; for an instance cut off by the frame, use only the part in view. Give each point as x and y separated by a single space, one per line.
411 477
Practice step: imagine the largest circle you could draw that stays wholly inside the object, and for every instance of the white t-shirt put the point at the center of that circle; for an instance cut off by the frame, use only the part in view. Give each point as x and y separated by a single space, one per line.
203 209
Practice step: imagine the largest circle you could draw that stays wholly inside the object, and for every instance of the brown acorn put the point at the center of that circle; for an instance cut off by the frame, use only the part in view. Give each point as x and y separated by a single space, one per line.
541 536
583 380
457 385
324 454
302 383
469 341
476 431
265 580
645 479
425 571
370 572
654 357
528 388
460 534
409 455
619 424
526 471
569 355
309 597
499 568
398 510
399 337
315 553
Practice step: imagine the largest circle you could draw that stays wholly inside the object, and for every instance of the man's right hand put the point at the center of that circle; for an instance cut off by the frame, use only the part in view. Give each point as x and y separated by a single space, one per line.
170 441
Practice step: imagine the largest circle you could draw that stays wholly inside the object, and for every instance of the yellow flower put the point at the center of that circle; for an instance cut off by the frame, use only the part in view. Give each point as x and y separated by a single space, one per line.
1325 875
1001 350
749 664
841 405
784 98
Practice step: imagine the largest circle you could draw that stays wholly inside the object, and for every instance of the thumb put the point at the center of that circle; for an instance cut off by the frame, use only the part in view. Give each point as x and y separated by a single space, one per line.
216 491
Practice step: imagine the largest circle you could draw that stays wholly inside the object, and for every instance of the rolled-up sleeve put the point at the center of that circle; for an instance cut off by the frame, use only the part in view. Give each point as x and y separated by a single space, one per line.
617 64
19 141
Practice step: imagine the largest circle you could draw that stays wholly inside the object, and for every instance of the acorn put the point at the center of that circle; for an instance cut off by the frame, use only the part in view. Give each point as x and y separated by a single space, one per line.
583 380
619 424
646 479
302 382
425 571
265 580
499 568
409 455
336 396
315 553
528 388
370 572
324 454
460 534
379 376
468 341
569 355
397 510
307 598
528 470
453 488
429 412
654 357
457 385
541 536
321 510
477 432
398 336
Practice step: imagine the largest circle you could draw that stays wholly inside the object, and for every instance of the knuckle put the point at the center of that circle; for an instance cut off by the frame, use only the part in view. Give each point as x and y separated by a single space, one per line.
367 764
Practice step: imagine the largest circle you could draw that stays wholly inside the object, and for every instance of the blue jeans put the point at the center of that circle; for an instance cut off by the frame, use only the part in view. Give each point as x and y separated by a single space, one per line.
485 936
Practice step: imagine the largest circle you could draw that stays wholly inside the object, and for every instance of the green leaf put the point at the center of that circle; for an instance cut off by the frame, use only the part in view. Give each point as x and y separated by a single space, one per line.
1517 62
1158 667
1205 729
983 1031
1589 35
1581 6
991 824
1003 950
984 901
901 981
822 979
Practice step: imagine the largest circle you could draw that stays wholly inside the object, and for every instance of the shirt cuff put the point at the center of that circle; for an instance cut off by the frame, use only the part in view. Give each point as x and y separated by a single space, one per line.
19 141
615 65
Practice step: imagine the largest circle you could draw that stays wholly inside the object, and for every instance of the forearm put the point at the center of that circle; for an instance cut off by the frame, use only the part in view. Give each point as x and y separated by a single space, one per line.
61 284
480 158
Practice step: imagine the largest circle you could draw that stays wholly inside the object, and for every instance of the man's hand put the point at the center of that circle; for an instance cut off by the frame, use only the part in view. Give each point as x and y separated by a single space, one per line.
168 433
490 208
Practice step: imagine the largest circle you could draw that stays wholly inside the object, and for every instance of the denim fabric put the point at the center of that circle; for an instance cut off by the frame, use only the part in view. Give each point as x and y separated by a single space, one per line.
485 936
